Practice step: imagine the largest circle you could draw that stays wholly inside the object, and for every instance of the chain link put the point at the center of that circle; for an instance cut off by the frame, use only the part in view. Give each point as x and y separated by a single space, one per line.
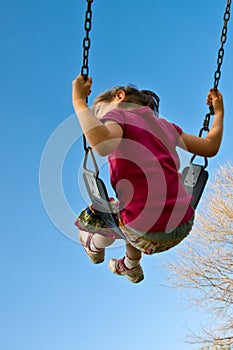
87 40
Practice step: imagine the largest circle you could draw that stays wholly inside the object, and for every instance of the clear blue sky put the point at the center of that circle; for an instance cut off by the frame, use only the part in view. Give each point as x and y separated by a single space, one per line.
51 296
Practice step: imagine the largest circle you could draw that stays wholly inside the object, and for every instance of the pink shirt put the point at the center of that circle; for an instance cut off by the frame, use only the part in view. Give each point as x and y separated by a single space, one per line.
144 172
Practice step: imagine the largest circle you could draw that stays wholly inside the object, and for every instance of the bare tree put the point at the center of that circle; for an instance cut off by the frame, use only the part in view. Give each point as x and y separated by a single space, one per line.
203 263
224 345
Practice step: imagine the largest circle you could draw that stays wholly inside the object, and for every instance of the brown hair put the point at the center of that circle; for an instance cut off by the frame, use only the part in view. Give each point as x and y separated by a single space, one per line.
133 95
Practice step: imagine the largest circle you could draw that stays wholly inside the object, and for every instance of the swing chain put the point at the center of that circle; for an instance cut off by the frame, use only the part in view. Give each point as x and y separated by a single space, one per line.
206 124
87 40
86 48
223 40
217 75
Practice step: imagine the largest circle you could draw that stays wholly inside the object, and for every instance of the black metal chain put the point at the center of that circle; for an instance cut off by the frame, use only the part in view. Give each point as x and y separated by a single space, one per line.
223 40
217 74
87 40
86 49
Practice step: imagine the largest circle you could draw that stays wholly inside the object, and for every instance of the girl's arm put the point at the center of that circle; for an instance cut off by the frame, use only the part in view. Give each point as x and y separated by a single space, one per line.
208 146
104 138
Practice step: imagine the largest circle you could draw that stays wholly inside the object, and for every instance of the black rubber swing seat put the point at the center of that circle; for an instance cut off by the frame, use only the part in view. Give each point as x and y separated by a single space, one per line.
98 194
194 178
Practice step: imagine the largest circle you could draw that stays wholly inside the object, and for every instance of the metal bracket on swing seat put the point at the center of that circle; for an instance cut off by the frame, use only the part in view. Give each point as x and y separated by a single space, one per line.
98 194
192 175
194 178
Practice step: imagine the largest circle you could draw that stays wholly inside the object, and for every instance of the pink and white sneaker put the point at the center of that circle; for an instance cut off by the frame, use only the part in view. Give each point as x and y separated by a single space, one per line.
134 275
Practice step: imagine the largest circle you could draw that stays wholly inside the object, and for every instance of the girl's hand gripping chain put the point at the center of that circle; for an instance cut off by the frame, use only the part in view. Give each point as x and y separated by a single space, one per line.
81 90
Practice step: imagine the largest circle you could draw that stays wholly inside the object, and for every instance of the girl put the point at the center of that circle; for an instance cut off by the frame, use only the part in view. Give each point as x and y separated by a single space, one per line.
155 209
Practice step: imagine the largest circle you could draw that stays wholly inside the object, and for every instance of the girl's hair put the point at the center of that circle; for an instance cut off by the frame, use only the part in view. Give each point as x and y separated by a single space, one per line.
133 95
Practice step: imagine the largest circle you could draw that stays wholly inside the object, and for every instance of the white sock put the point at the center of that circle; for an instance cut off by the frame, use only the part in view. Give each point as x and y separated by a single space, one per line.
130 263
93 246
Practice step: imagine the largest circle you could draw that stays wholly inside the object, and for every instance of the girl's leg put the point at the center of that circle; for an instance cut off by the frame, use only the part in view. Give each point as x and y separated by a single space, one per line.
94 245
99 242
133 253
133 256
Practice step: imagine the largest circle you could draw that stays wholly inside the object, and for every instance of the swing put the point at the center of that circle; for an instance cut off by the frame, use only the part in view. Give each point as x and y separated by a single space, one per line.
194 176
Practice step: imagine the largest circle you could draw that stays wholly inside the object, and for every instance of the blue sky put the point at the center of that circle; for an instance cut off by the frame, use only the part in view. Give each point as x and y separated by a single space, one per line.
51 296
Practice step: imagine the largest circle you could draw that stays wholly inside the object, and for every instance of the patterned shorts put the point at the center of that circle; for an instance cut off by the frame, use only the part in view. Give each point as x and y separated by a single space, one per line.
156 242
89 220
148 243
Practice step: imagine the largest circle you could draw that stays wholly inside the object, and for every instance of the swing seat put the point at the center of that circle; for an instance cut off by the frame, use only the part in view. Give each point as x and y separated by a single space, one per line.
99 196
194 178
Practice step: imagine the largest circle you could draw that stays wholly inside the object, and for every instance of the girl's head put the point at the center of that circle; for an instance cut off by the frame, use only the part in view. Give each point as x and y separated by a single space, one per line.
129 95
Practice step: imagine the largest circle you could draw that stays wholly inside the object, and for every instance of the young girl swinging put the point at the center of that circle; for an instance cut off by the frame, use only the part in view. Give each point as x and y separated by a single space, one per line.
155 211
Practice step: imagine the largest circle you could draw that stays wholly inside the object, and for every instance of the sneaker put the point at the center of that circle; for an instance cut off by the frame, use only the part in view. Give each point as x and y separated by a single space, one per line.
118 267
95 257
